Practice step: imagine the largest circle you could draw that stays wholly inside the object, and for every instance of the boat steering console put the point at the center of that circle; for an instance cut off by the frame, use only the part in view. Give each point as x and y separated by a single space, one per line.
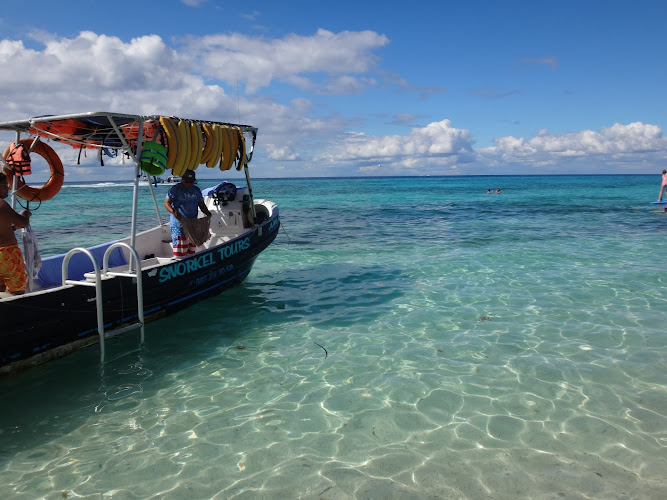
224 193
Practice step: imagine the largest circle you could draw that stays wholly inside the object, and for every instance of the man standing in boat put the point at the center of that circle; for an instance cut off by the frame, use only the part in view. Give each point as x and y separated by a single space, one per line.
182 202
13 276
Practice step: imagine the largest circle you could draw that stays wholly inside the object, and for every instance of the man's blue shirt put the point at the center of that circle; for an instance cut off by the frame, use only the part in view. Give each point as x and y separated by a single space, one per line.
185 201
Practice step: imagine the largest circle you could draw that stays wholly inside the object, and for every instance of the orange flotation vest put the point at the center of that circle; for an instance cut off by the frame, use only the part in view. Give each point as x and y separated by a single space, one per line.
70 132
18 158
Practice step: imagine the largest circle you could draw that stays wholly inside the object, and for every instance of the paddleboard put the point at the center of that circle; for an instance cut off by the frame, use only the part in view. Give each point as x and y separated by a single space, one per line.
662 202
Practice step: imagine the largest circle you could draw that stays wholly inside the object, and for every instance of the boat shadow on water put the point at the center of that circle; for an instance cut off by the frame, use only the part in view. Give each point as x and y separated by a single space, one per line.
54 399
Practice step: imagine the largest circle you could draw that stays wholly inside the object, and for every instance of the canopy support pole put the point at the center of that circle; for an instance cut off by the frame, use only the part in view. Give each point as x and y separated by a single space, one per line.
14 179
157 207
135 191
252 201
248 158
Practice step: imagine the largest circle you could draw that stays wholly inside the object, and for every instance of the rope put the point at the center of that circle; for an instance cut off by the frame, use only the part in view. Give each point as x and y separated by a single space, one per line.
36 199
282 226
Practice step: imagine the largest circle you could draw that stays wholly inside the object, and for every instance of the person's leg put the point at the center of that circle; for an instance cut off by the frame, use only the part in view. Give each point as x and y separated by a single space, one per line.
179 241
4 271
12 271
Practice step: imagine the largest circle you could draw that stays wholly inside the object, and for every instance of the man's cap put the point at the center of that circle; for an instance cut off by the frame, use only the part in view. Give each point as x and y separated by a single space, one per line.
189 175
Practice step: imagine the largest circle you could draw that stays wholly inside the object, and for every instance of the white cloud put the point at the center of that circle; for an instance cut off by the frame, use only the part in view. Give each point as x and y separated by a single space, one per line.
98 72
258 61
551 61
251 15
145 75
634 138
434 140
285 153
92 62
440 149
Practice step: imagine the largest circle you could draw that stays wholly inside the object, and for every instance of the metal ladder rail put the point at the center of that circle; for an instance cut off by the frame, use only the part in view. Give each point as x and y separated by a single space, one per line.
97 285
98 288
129 274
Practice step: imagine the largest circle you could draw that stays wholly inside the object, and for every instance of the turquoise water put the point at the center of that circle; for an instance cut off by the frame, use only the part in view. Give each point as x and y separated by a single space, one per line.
402 338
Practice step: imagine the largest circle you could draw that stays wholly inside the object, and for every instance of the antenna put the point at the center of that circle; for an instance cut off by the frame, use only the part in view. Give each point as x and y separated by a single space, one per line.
238 107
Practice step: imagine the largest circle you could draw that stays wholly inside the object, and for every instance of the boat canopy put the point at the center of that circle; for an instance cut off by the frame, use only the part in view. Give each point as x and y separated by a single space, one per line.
134 135
101 129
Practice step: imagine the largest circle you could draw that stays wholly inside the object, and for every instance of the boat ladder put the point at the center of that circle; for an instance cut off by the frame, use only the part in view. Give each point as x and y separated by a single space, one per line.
104 274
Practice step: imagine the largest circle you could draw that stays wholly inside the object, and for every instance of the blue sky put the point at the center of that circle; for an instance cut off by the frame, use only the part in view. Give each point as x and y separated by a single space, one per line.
362 88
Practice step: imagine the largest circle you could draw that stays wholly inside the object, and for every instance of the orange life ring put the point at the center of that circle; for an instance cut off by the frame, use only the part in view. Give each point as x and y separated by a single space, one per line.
52 186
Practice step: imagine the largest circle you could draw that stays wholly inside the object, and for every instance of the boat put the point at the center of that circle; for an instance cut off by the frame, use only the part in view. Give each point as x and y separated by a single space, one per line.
92 293
145 180
173 179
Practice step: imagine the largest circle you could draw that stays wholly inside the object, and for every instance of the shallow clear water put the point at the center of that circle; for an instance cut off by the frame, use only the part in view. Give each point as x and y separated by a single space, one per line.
402 338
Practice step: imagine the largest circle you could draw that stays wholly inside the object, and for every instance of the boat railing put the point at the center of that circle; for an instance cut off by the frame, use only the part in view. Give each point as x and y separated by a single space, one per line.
97 283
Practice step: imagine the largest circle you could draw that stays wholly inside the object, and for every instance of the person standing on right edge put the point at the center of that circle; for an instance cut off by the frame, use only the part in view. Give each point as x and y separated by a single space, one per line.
663 186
